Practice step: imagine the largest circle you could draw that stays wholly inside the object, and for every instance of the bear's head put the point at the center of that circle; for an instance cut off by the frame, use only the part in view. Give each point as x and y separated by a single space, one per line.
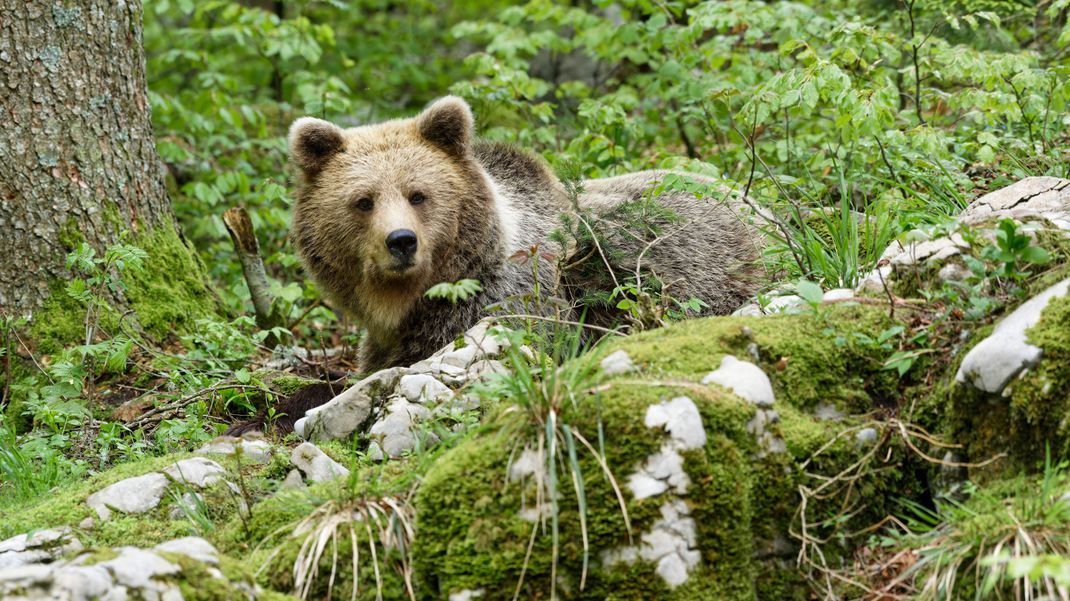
382 208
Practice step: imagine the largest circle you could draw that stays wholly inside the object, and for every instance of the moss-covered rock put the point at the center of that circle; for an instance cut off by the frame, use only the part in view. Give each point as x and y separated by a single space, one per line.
1028 417
473 520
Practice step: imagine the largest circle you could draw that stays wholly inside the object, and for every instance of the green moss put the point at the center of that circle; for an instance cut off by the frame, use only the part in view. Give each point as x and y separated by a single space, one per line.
70 235
285 384
809 358
61 321
1023 514
23 381
472 536
170 293
167 296
66 506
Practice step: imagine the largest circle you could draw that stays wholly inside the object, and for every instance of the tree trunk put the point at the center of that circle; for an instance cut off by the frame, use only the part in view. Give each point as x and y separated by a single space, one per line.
77 155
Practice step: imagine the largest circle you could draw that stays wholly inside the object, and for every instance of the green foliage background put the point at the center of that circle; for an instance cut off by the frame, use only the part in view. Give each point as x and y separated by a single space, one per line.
901 111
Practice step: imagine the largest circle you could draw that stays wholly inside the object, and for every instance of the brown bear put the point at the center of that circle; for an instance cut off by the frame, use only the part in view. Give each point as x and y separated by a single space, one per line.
386 211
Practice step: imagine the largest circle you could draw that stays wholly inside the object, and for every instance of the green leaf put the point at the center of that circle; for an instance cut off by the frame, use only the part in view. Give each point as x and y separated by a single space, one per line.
810 292
1036 255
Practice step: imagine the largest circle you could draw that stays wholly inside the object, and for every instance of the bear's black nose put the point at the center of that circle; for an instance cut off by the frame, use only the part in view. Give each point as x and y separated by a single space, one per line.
401 243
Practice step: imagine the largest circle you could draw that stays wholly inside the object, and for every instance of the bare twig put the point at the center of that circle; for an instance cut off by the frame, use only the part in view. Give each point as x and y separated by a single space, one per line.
240 228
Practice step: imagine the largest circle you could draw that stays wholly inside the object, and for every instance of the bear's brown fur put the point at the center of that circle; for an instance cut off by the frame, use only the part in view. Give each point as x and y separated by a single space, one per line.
472 205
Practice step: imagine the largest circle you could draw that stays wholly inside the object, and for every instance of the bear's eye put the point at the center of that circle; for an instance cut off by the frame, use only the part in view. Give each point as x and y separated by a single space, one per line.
416 198
364 204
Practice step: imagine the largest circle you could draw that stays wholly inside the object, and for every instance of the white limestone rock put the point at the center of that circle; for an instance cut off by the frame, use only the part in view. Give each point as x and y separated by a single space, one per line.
617 363
422 388
194 547
135 568
671 544
1005 353
293 480
196 471
133 495
343 415
828 412
394 433
41 546
746 380
866 437
315 464
788 303
1047 198
253 450
838 295
186 505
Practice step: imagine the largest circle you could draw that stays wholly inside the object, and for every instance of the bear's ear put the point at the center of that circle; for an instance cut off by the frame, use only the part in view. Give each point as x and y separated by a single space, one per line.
313 141
448 124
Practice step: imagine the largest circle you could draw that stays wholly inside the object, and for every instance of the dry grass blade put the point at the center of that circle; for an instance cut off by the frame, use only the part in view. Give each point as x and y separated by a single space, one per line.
387 526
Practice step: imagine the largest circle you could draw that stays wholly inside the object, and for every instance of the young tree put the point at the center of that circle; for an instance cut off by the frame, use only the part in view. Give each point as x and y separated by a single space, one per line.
77 156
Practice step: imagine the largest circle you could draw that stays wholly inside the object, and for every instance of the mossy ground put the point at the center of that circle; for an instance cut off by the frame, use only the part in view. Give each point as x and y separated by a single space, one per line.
745 501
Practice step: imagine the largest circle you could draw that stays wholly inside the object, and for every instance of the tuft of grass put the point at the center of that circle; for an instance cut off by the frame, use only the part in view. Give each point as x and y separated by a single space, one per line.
548 388
382 525
990 546
21 478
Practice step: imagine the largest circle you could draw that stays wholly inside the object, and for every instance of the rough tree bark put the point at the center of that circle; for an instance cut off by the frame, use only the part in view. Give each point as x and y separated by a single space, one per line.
77 154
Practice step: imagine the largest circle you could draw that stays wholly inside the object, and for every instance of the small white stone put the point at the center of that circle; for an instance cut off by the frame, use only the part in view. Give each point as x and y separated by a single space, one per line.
827 411
528 463
423 388
672 570
489 339
668 465
85 582
486 368
315 464
680 417
756 425
253 450
746 380
133 495
643 486
196 471
617 363
866 437
186 505
193 547
462 357
838 294
876 281
293 480
953 272
748 310
135 568
346 413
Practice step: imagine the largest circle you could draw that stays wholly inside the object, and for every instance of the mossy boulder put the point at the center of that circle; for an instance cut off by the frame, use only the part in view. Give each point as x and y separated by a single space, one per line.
1017 408
474 519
